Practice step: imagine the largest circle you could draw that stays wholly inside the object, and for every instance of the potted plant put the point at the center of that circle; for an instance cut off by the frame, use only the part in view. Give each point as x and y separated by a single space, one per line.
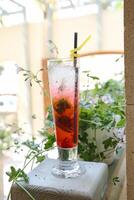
102 121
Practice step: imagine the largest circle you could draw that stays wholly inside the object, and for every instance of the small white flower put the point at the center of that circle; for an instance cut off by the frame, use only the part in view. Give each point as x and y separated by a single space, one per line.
120 133
117 118
107 99
19 69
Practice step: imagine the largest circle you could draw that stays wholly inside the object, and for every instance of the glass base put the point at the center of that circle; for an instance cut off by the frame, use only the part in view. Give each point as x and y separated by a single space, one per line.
68 166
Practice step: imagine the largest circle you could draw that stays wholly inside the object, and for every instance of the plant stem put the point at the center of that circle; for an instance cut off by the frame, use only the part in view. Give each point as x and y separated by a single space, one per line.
107 150
118 139
119 106
32 164
26 157
95 136
26 191
15 179
25 165
32 159
9 193
36 79
89 121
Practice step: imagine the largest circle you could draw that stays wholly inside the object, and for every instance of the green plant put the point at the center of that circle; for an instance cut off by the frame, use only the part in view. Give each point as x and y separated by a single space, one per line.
35 153
116 180
102 108
116 4
35 150
5 139
1 69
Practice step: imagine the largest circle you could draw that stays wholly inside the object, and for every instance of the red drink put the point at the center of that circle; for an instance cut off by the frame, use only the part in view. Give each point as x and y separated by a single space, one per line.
64 95
66 122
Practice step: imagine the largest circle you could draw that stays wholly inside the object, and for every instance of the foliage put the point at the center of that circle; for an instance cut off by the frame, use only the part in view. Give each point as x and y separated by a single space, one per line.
116 180
13 173
116 4
30 76
1 69
35 153
101 108
5 139
50 142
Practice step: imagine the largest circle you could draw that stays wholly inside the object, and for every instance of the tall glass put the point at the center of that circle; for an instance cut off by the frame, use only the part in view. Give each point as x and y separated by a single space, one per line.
64 90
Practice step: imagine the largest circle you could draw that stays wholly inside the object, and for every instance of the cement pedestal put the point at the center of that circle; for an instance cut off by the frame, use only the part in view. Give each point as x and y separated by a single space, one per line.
44 186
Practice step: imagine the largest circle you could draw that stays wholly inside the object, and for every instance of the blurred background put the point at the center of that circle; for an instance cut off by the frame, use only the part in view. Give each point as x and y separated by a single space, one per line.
30 29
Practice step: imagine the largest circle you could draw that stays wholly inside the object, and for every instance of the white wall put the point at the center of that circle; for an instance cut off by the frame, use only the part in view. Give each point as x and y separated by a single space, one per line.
64 31
111 36
12 43
113 30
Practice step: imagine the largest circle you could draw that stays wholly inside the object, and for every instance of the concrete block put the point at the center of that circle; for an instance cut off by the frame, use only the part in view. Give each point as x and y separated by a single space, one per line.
44 186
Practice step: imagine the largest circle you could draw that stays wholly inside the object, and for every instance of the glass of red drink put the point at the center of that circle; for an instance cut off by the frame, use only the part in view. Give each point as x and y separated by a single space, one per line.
64 90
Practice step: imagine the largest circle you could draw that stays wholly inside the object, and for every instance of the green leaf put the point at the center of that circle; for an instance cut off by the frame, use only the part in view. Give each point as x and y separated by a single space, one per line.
87 151
50 142
93 77
38 81
86 71
1 69
26 78
17 174
102 156
33 116
40 158
12 173
121 123
83 136
32 145
116 180
110 142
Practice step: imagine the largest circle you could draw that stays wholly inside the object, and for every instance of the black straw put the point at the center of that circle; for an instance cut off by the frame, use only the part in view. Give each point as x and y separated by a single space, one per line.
75 46
75 90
